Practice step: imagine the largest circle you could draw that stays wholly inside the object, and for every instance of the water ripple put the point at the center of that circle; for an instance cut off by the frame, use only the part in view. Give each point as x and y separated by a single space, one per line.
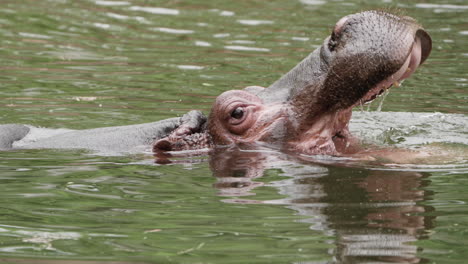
252 22
313 2
443 6
112 3
200 43
173 31
156 10
244 48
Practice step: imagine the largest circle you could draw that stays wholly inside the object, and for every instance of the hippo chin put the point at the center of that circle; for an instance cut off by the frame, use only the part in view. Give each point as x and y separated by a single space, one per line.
308 110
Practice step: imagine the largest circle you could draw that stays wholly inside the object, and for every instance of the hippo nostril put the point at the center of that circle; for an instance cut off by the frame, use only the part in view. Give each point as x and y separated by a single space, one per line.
335 35
339 26
162 145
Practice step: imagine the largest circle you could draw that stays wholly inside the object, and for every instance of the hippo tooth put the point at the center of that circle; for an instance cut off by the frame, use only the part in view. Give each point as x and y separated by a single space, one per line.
396 84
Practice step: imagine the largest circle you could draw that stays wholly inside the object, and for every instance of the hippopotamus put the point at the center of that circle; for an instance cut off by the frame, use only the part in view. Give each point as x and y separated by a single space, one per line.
306 111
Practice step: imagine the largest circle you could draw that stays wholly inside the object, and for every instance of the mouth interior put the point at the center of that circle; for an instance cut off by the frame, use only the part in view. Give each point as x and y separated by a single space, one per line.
410 65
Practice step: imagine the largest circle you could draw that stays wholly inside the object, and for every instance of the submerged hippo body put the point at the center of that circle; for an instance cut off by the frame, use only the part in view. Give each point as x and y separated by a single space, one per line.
306 111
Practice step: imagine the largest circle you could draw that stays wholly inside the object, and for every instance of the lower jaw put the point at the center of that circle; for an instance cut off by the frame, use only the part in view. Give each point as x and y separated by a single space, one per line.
331 146
405 71
319 147
328 135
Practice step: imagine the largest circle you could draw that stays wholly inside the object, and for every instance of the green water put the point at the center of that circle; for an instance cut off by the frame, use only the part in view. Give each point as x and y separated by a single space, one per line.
85 64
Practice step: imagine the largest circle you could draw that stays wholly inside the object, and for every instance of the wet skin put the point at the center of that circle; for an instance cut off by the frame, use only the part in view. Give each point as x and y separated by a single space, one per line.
308 110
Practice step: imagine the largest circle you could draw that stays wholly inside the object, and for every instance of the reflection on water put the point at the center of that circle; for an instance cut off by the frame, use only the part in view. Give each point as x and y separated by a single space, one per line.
374 215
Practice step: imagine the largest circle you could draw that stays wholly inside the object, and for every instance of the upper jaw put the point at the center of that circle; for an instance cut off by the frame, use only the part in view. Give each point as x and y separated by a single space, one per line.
418 53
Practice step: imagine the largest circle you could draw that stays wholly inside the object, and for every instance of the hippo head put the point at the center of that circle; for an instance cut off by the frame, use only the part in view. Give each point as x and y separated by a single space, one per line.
309 108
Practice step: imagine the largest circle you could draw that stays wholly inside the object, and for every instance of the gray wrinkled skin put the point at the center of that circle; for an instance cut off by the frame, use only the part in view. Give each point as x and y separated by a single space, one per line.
345 56
10 133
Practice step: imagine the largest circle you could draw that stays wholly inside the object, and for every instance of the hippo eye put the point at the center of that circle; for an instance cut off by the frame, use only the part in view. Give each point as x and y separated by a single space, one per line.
237 113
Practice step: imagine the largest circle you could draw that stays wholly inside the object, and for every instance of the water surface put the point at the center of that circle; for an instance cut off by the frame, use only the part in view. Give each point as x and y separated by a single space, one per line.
85 64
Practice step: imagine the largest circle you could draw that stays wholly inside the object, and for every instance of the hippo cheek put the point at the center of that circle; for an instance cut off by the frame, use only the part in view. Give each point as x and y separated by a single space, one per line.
276 124
275 132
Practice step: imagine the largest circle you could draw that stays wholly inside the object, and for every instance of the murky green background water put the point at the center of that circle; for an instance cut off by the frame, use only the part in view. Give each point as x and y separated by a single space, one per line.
84 64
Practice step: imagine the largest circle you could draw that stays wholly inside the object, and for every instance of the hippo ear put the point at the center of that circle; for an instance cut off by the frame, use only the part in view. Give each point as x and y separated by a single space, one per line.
191 134
162 145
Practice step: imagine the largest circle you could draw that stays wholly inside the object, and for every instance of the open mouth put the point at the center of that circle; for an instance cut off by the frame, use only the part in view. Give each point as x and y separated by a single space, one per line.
416 56
409 66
